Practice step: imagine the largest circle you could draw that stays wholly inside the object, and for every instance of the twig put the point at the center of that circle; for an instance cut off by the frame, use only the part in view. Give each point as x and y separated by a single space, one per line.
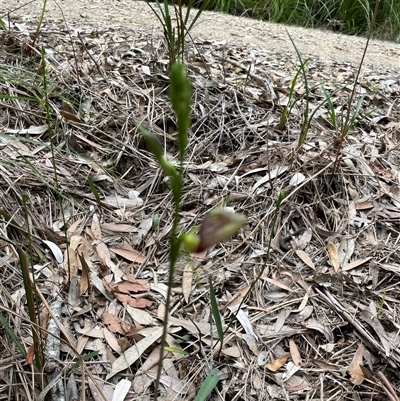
387 387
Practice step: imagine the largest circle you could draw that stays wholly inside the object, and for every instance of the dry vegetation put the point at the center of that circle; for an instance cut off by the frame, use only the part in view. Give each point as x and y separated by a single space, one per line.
323 321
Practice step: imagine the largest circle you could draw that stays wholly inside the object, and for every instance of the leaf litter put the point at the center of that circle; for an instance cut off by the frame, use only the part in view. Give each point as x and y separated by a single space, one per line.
325 315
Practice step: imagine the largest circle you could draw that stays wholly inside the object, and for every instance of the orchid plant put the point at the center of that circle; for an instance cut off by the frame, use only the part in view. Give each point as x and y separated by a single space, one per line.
217 226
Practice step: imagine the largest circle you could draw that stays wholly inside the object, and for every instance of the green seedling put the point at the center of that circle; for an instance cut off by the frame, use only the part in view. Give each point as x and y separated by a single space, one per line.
380 310
175 350
291 102
175 34
87 357
208 385
306 120
216 315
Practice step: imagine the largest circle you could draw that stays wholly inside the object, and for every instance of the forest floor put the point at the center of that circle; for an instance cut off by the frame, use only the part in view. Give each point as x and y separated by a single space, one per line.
81 196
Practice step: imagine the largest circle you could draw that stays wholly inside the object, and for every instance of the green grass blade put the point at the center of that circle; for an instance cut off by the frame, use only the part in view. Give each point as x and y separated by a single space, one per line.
331 107
94 190
204 5
175 350
208 385
356 112
216 315
32 311
12 336
306 124
288 108
87 357
3 25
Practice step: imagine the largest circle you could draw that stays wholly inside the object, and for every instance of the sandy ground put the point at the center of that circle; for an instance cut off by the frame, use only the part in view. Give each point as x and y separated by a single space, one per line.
236 31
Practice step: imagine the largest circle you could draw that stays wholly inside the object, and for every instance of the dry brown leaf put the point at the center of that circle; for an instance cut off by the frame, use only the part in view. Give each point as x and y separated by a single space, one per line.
83 339
187 280
132 354
152 359
296 384
281 319
324 365
112 341
305 258
84 282
127 246
118 228
124 343
140 316
277 363
127 287
69 113
333 256
133 333
364 205
113 323
233 352
30 355
294 352
135 303
75 241
354 369
104 253
71 262
238 297
161 311
85 247
277 283
96 230
131 255
76 228
356 263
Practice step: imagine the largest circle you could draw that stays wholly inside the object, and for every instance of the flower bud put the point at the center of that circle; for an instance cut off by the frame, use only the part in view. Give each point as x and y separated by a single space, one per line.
218 226
191 242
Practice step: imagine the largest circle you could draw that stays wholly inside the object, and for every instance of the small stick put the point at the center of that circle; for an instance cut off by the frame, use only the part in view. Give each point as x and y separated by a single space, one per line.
388 388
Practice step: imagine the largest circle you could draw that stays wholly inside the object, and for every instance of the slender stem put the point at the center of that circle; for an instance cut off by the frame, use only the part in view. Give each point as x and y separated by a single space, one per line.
173 258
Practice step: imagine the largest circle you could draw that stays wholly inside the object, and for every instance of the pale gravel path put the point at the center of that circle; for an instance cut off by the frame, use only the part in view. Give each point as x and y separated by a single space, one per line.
236 31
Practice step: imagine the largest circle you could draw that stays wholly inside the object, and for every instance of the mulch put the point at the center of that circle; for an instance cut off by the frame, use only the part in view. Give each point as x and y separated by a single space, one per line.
321 322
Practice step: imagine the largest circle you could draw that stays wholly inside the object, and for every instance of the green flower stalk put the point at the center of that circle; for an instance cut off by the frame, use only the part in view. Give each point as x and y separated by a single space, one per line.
180 94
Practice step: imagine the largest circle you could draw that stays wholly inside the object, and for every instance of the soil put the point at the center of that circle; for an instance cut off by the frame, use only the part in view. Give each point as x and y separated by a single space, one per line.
235 31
